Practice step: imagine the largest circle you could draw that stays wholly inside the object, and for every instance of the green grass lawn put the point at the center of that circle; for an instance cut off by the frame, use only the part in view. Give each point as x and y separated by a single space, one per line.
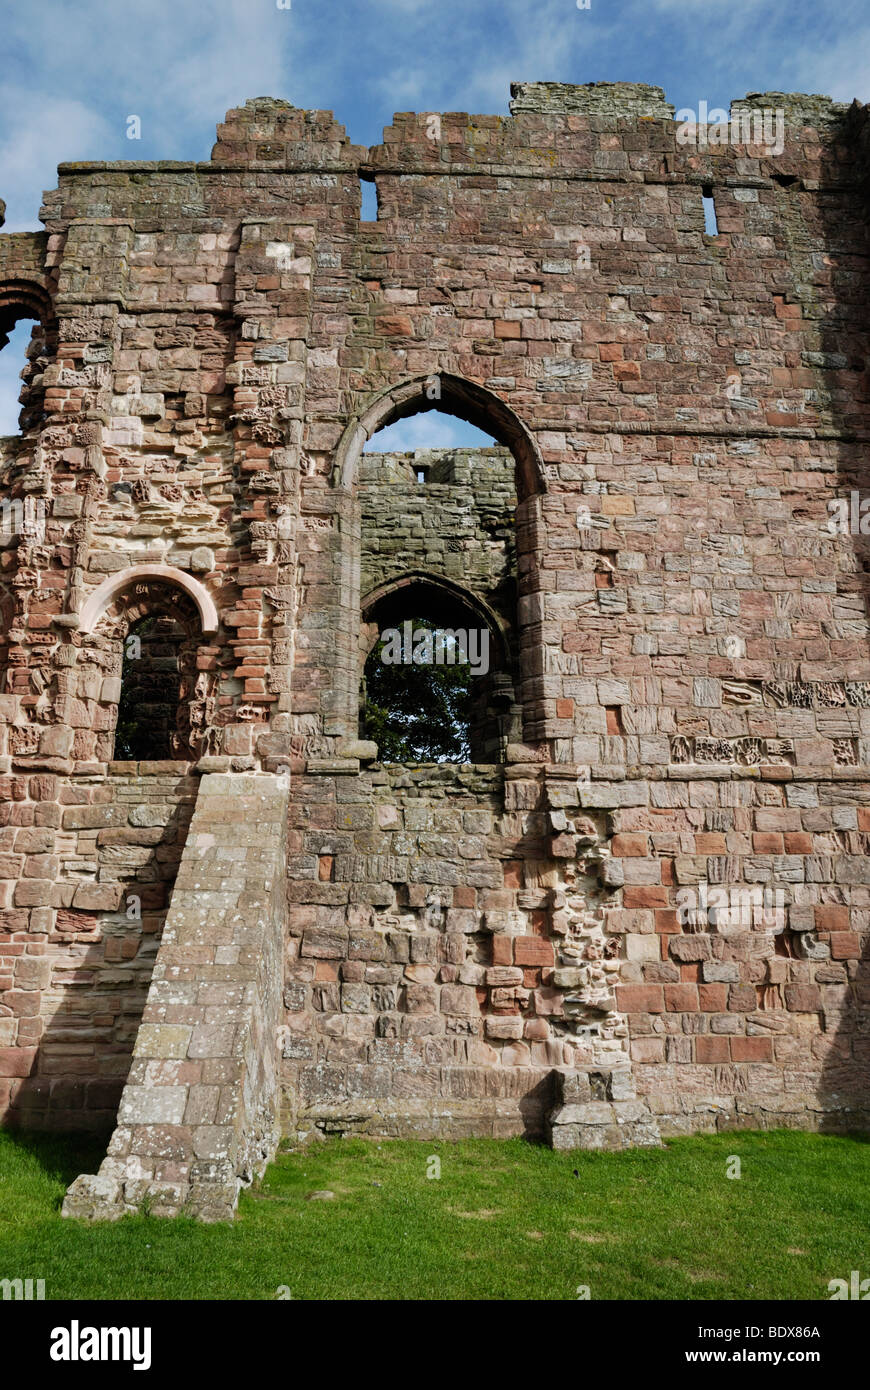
506 1220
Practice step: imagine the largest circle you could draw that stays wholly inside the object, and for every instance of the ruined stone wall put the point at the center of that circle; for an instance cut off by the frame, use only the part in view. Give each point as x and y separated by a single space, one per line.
88 863
458 523
436 971
691 634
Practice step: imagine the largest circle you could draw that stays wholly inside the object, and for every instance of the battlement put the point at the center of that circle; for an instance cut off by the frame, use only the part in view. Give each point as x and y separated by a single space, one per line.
660 319
623 99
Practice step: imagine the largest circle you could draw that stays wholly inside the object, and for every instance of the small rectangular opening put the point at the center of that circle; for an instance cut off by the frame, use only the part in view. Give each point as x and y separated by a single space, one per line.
711 226
369 200
421 475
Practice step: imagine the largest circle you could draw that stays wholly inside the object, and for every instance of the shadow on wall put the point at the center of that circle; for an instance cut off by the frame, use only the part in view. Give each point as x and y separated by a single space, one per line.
87 1004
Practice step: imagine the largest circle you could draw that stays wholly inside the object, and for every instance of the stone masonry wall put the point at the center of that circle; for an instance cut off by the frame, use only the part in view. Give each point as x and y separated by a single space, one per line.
198 1118
458 524
88 863
686 413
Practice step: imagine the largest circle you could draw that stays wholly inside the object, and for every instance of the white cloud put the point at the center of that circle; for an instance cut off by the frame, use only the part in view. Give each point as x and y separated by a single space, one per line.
39 135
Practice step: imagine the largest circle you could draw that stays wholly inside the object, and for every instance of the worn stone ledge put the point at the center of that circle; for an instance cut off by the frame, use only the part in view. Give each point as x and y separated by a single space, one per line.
596 1108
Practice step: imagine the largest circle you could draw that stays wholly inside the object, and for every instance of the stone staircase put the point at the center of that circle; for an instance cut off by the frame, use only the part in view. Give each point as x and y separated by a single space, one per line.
198 1118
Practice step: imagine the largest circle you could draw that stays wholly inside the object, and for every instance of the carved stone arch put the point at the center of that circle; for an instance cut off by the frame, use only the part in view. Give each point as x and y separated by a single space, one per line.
454 593
455 396
97 602
24 299
28 299
169 618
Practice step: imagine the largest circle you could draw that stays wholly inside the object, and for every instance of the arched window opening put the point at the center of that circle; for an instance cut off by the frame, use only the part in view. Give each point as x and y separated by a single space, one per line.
7 610
418 711
434 430
151 634
436 684
17 369
151 714
28 336
437 500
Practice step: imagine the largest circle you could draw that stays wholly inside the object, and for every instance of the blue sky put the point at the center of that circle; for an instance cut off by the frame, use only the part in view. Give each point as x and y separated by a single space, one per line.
72 71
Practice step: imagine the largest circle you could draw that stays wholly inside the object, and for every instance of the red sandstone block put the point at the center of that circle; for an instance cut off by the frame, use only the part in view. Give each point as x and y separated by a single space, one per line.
647 1049
400 326
710 843
531 950
682 998
507 328
778 818
803 998
631 846
864 817
765 842
742 999
666 921
831 917
626 371
610 352
636 999
495 900
798 842
712 998
502 950
845 945
564 709
464 897
644 895
751 1049
17 1061
709 1048
513 873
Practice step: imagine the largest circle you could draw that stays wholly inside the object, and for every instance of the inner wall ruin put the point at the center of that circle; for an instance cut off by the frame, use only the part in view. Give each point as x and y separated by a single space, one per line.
642 910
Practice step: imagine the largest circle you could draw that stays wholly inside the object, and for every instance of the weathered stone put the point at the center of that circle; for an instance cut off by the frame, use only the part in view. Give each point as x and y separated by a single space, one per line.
676 686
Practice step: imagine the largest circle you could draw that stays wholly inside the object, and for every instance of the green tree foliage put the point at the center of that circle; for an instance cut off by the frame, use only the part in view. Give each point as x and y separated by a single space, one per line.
417 713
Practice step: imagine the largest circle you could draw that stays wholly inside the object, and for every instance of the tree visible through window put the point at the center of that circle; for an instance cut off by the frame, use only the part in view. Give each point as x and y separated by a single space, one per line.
418 712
